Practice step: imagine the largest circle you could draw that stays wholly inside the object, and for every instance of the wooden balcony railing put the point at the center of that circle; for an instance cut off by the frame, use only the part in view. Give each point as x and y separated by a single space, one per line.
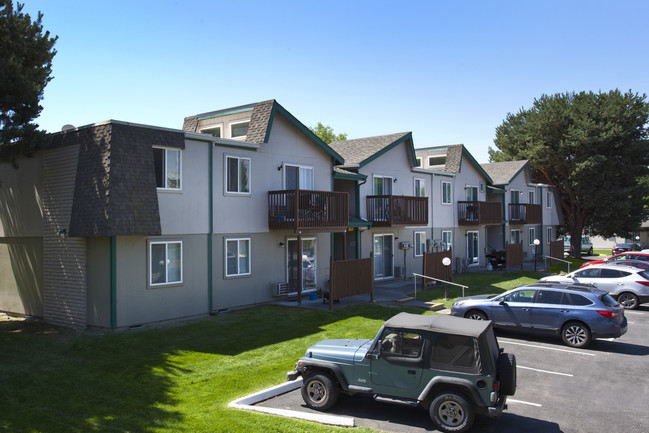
525 213
311 211
397 210
479 213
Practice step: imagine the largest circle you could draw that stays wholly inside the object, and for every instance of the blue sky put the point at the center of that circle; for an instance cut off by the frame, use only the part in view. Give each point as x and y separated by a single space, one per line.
449 71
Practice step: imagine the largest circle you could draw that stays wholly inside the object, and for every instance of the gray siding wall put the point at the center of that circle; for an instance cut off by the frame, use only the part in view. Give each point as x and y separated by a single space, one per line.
21 246
64 258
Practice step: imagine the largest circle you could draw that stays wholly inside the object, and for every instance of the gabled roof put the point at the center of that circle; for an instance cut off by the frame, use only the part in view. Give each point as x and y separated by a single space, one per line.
362 151
261 122
502 173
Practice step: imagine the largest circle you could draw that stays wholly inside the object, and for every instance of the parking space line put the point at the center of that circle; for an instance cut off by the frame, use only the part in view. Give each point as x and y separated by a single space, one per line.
545 371
511 400
546 347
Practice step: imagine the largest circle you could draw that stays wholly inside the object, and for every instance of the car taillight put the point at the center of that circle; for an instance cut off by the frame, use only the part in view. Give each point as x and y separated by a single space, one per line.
609 314
644 283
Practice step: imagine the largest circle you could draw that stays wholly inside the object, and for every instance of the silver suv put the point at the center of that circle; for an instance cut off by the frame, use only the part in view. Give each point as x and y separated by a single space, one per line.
452 367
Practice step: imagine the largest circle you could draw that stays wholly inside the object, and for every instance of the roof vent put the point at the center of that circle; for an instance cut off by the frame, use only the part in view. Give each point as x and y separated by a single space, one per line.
67 127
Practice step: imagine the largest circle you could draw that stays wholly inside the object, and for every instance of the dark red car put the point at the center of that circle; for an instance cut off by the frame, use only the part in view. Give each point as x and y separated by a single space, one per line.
622 256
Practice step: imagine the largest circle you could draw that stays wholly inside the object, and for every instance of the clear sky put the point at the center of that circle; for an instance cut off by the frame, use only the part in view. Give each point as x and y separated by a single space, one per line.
449 71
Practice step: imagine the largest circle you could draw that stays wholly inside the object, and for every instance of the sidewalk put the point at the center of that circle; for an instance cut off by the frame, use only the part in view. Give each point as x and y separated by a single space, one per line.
393 291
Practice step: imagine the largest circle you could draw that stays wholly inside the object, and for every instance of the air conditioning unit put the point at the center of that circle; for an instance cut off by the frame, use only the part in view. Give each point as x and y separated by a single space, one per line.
279 289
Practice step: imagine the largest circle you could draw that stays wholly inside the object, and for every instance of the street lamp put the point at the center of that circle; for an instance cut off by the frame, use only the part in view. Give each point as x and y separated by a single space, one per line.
446 262
536 245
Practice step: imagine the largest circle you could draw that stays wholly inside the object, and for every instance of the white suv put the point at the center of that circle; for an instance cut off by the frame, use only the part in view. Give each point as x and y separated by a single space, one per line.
627 284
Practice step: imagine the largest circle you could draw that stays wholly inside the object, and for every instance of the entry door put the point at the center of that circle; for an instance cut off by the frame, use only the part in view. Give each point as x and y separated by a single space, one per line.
472 248
383 256
308 263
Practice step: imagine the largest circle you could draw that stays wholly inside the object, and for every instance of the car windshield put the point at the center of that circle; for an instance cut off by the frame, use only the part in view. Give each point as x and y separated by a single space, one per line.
608 300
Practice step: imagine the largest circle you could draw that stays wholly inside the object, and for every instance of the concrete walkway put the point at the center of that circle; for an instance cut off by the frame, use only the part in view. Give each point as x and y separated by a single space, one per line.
393 291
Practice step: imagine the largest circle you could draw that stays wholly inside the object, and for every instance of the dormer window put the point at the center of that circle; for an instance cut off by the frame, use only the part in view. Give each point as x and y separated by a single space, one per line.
168 163
212 130
239 129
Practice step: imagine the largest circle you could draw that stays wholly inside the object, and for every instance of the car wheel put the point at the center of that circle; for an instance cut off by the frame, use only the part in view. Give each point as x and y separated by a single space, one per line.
628 300
319 391
476 315
575 334
507 373
452 413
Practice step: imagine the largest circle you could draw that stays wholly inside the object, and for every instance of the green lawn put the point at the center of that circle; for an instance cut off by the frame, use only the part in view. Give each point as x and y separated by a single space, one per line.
177 377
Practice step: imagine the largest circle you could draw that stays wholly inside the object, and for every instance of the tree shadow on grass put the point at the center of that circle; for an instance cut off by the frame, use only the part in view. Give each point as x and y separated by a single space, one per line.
55 379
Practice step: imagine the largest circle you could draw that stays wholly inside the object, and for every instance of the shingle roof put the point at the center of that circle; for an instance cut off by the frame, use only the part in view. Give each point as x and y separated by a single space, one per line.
260 122
502 173
454 158
358 150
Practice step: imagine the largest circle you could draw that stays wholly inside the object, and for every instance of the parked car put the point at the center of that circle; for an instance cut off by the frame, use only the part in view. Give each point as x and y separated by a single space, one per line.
452 367
576 312
627 284
586 245
619 257
627 246
640 264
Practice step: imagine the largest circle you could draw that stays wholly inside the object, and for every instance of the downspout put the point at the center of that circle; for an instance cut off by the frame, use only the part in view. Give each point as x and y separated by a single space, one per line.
541 234
113 282
211 229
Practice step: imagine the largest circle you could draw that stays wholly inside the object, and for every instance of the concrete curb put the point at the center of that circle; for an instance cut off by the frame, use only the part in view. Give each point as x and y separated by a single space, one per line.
248 403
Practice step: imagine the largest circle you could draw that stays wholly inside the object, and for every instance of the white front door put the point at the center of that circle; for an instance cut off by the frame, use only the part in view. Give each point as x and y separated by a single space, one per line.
383 256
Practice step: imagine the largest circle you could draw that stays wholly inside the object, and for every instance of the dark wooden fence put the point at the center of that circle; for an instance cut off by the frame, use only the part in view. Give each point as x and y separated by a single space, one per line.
514 256
350 278
556 250
434 268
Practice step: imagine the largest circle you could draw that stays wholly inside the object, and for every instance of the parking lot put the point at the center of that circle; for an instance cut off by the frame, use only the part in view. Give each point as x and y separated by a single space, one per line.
602 388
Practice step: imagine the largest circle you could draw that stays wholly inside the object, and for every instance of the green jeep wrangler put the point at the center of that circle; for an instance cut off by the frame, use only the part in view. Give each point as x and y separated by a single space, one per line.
448 365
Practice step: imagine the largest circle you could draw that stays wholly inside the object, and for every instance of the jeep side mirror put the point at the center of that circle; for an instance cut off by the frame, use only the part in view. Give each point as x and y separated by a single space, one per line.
374 354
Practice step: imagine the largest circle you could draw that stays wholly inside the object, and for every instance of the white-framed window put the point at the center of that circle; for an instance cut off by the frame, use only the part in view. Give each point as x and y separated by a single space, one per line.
213 130
530 196
239 130
237 257
548 232
420 243
165 263
298 177
382 185
447 194
447 238
237 175
168 168
548 199
418 162
515 237
531 232
471 193
420 188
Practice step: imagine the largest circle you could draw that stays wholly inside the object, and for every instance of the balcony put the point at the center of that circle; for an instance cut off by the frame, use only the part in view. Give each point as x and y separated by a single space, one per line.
525 213
397 210
308 211
474 213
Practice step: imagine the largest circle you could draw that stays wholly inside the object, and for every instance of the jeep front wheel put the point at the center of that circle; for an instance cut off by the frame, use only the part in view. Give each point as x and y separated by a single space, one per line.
452 413
319 391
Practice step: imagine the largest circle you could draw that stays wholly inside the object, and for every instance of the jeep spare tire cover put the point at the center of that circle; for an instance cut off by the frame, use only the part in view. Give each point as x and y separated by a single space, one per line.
507 373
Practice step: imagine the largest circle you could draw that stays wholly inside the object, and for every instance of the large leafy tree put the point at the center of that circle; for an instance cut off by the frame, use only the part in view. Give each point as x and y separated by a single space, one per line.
327 134
25 66
594 148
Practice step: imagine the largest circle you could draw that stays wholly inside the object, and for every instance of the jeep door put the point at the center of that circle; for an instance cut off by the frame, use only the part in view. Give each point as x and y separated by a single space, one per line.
514 309
398 368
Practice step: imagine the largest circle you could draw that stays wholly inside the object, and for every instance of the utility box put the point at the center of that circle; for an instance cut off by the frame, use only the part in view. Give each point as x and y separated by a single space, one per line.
405 245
